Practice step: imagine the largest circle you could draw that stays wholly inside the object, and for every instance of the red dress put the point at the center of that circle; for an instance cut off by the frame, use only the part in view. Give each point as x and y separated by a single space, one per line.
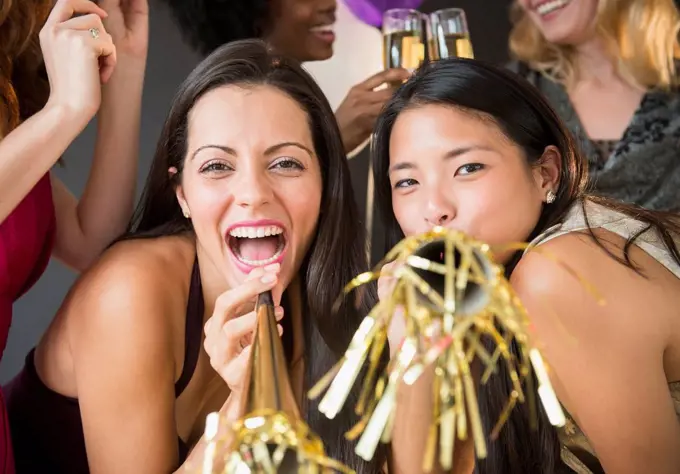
26 240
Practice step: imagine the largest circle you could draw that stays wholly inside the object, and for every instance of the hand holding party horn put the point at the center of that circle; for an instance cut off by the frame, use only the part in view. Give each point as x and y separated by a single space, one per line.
452 295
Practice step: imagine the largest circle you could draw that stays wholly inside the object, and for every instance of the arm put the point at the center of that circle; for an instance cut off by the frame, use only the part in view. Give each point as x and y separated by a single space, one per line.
31 149
87 226
414 410
606 361
411 429
75 67
125 370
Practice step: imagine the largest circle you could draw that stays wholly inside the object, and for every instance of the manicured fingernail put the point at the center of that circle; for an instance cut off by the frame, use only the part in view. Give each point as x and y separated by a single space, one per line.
280 329
272 267
268 278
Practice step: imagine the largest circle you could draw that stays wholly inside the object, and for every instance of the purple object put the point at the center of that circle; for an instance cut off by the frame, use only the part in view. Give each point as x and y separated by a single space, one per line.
371 11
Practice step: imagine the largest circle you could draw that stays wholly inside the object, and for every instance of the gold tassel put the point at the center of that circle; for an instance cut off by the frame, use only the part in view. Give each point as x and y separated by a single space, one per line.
451 294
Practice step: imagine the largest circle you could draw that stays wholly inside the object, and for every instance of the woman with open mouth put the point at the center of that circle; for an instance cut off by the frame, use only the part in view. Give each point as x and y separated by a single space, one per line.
249 191
471 147
300 29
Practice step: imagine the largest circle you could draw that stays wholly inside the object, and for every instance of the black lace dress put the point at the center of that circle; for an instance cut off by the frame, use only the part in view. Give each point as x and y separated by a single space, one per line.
642 168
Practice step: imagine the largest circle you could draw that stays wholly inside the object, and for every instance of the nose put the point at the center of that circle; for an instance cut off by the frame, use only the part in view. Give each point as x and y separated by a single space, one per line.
439 210
252 188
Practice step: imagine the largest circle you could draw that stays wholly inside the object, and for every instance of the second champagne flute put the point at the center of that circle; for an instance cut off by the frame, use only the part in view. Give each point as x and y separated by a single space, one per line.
450 34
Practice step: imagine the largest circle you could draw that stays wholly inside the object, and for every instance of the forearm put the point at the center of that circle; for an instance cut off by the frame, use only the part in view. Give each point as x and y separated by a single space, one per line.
30 151
106 205
412 423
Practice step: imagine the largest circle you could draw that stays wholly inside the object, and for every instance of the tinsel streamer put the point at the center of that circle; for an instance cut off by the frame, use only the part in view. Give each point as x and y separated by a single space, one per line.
452 295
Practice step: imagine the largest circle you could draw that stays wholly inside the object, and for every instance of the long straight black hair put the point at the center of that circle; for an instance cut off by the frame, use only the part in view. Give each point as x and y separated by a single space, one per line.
336 254
527 119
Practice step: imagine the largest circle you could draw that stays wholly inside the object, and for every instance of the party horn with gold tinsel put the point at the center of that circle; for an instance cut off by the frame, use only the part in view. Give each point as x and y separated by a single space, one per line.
452 295
271 437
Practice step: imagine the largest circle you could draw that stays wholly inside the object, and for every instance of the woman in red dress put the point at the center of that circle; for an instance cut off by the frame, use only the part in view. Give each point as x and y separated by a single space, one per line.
52 67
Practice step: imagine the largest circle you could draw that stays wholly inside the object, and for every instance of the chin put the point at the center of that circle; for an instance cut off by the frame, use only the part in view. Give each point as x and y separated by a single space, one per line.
319 53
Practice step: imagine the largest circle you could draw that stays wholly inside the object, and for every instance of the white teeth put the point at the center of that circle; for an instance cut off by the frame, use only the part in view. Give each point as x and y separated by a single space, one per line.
323 29
549 7
258 232
260 263
255 232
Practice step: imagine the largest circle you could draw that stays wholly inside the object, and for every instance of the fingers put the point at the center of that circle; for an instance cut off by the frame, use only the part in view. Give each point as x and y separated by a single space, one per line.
386 281
107 63
65 9
228 333
229 351
390 75
234 372
236 330
84 22
102 43
258 281
380 96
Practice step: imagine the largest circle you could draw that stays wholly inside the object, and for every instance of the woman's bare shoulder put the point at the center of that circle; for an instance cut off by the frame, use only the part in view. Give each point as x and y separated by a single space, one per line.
145 280
589 281
142 264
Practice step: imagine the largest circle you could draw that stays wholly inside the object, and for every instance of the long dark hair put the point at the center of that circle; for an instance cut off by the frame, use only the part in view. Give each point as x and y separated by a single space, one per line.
527 119
336 254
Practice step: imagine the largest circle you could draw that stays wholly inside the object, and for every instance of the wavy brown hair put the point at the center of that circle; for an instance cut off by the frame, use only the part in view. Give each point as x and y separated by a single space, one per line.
642 35
24 87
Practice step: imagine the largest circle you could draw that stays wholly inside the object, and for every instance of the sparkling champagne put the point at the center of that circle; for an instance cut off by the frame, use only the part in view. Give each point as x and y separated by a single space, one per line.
403 49
453 45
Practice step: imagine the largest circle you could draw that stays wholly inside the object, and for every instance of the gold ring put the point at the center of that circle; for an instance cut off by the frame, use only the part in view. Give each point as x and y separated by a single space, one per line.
94 32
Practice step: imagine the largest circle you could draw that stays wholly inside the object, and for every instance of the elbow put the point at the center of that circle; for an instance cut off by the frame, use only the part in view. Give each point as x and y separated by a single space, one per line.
80 261
81 254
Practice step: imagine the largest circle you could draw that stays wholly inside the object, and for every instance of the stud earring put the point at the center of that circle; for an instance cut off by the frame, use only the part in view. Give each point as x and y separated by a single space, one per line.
550 197
186 213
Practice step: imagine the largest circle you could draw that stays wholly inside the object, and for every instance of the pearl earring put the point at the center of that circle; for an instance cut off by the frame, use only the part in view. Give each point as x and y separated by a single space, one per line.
186 213
550 197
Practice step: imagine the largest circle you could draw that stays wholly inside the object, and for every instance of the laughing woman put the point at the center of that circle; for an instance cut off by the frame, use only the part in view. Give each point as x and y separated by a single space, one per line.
249 191
610 70
471 147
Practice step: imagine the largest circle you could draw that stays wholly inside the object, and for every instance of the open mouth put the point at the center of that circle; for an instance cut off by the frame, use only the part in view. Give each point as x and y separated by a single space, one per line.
551 6
256 246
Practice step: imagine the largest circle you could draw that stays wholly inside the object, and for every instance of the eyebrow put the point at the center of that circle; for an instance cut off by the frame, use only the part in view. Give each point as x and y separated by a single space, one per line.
451 154
268 151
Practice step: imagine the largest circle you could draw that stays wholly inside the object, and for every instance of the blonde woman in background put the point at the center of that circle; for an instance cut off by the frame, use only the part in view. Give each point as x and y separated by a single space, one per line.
609 69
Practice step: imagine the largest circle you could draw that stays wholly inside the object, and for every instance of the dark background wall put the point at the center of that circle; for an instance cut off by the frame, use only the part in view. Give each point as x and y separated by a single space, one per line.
170 61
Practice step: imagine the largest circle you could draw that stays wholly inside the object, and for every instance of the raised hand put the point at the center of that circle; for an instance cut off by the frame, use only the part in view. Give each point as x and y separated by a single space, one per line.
79 55
230 328
358 112
128 24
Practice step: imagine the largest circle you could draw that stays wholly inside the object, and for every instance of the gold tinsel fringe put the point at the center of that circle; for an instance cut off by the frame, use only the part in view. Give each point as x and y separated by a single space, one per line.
444 328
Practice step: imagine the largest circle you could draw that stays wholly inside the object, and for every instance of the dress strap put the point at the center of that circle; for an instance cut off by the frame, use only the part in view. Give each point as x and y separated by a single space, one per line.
193 330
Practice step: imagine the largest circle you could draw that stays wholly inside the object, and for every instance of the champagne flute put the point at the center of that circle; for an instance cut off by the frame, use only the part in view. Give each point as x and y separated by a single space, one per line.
451 35
403 36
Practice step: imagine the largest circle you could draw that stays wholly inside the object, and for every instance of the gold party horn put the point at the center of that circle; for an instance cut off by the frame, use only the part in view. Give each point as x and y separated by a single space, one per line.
271 437
453 296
